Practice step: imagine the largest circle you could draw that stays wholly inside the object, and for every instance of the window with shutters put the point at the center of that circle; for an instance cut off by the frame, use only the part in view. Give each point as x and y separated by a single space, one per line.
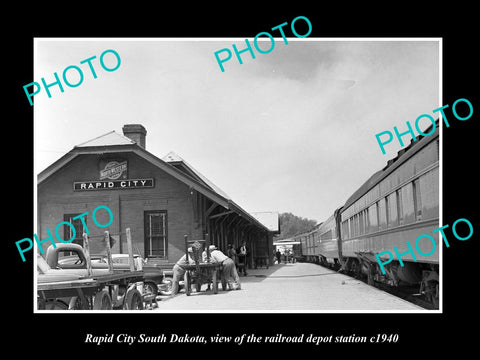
156 241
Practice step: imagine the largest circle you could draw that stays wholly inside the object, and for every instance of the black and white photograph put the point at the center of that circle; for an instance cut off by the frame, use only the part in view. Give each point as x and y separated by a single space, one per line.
260 182
265 176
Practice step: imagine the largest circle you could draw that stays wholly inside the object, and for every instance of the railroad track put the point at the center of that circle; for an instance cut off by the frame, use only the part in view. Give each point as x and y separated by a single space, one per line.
407 293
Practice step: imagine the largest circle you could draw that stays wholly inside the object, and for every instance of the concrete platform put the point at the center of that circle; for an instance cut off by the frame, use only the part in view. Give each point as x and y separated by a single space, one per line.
291 288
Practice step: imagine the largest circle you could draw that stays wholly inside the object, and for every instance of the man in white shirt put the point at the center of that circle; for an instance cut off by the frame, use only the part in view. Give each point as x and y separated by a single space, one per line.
242 255
229 270
179 271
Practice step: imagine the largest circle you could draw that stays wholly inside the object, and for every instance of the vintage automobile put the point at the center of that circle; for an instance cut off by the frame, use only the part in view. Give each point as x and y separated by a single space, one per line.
153 274
71 256
63 289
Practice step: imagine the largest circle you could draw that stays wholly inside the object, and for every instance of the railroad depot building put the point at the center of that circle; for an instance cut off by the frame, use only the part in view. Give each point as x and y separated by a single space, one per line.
160 200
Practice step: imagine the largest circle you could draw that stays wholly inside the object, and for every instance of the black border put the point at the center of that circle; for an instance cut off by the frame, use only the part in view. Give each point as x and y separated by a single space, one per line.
419 333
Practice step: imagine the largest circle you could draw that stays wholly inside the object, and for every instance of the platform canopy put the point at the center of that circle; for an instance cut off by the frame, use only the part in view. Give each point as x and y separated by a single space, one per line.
278 243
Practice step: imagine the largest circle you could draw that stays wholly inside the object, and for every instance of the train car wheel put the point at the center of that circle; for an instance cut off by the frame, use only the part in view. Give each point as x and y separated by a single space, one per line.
432 293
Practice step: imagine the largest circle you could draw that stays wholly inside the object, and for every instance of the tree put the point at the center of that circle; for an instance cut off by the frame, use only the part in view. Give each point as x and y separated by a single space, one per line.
291 225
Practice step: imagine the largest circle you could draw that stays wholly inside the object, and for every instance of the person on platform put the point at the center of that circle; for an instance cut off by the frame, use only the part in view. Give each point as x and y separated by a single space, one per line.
232 254
243 257
278 254
228 265
204 256
179 271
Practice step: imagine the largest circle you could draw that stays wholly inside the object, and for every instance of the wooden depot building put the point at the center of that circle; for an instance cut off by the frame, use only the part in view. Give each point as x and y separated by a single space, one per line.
160 200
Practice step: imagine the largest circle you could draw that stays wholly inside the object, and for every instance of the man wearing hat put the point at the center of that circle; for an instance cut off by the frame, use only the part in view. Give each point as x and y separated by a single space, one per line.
179 271
243 257
229 270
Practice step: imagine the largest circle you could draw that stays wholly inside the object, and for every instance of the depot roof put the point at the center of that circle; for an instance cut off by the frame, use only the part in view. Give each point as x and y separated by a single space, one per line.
172 164
175 160
270 219
110 138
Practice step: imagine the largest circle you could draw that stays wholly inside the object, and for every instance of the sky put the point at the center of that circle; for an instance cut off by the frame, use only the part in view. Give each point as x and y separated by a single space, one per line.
289 131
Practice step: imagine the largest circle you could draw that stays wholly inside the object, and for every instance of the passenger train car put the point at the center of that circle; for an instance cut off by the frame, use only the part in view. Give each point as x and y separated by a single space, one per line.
396 204
322 244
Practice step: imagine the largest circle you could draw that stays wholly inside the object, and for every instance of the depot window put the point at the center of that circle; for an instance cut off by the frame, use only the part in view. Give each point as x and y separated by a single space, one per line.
78 225
156 241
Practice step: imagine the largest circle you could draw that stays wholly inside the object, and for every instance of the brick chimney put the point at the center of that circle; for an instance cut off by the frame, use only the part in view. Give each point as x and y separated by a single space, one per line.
136 132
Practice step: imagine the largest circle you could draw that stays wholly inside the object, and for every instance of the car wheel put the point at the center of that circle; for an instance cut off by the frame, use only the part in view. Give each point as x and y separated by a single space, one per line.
134 300
102 301
166 287
56 305
150 288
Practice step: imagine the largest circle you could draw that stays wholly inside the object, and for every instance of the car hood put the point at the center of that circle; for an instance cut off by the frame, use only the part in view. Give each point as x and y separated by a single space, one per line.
54 275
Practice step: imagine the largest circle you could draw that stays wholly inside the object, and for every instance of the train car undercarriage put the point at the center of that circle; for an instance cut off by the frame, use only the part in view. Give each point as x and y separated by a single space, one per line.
423 275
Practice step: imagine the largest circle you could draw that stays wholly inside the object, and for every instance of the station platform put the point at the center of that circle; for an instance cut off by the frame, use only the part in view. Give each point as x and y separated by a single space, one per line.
298 287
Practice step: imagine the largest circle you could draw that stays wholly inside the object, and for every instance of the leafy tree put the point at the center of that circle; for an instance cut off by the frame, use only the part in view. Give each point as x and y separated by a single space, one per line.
291 225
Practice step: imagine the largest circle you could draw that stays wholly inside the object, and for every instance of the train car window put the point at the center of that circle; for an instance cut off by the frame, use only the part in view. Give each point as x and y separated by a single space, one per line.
345 232
357 224
367 221
373 218
382 215
327 235
407 204
398 197
351 225
392 210
387 212
417 199
361 223
378 215
429 190
354 226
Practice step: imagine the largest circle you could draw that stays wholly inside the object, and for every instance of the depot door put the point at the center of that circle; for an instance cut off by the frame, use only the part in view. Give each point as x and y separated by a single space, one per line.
156 234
